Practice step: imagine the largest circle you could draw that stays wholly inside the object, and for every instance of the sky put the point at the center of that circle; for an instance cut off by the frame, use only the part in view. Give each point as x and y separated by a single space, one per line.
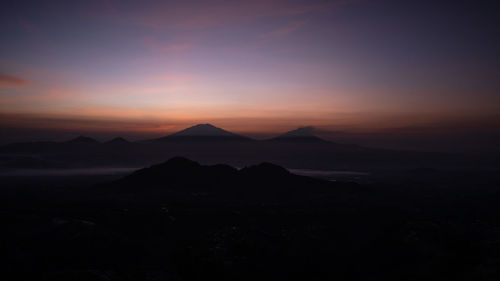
261 67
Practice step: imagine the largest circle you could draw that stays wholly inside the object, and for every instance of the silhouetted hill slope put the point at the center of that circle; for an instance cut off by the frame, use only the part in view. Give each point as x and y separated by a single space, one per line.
118 141
178 170
187 172
299 135
49 146
302 132
118 145
180 177
299 139
265 170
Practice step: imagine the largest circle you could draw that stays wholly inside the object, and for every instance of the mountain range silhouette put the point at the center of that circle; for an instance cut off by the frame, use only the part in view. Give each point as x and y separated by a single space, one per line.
299 148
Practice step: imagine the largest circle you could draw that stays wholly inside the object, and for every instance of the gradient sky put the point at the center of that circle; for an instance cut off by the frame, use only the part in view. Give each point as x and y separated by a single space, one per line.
254 67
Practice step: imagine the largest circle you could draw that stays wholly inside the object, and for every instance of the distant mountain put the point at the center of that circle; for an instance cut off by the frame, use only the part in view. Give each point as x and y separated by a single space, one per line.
118 144
302 134
118 141
203 132
82 140
204 142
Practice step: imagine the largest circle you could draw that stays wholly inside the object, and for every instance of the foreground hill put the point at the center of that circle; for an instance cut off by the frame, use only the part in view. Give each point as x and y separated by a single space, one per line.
257 184
180 220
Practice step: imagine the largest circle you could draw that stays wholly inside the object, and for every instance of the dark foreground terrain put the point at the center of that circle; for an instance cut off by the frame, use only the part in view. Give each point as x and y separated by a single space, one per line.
183 221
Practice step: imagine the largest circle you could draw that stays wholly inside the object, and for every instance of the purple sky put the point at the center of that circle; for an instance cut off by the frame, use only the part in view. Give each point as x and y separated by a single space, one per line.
256 67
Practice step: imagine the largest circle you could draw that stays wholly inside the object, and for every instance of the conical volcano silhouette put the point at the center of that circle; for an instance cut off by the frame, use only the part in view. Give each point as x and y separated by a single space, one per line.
302 134
204 130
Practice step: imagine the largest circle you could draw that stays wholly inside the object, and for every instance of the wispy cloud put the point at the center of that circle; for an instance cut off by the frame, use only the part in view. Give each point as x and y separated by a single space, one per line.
282 31
27 25
45 96
316 7
9 81
161 47
178 77
56 94
190 15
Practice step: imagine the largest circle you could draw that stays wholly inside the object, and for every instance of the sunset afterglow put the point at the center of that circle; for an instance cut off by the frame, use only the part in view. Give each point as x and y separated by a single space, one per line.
251 66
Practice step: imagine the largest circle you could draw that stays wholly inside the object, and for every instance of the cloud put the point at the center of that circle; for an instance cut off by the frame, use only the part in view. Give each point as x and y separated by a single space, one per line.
56 94
162 47
317 7
43 96
178 77
282 31
9 81
275 34
26 25
203 14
